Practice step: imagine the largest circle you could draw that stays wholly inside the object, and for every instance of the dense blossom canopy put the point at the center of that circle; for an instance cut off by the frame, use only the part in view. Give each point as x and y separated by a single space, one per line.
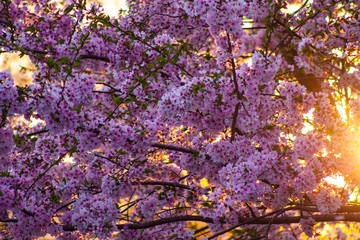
179 119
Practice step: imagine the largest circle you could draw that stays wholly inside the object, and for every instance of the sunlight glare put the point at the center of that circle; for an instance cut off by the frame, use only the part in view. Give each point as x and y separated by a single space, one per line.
112 7
338 181
293 7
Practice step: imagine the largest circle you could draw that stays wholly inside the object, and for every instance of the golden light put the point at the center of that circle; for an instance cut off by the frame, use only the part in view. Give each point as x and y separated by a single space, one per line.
338 181
219 137
294 6
308 117
20 68
112 8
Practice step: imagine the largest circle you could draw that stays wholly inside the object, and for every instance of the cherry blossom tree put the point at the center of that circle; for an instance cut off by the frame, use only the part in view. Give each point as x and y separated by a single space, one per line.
180 119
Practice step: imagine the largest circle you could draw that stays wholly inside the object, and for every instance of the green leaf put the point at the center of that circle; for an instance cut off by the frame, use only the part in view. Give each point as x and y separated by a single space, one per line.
54 198
148 170
162 196
198 87
63 60
74 150
207 204
5 174
69 9
299 98
275 148
162 63
54 117
173 236
117 100
131 98
49 61
268 127
176 58
218 100
57 67
77 109
121 152
208 57
160 58
68 70
196 154
262 87
18 140
77 63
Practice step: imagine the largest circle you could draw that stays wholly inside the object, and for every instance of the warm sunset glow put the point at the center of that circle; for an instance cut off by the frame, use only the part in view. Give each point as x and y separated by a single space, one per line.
336 180
112 8
290 8
219 137
179 119
308 117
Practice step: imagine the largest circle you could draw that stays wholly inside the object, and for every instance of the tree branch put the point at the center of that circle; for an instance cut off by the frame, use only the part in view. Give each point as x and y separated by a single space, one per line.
179 149
332 217
354 216
83 56
233 68
175 148
155 222
166 221
90 56
233 125
46 170
8 220
171 184
37 132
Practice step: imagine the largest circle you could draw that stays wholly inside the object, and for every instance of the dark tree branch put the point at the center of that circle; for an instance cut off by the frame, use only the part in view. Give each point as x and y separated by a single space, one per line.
271 222
352 216
83 56
8 220
233 68
166 221
267 220
155 223
233 125
46 170
90 56
159 183
178 149
175 148
201 229
31 214
37 132
35 51
332 217
65 205
253 28
171 16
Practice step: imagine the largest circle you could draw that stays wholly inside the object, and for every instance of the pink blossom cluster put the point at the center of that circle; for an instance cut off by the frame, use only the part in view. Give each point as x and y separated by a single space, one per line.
96 213
6 140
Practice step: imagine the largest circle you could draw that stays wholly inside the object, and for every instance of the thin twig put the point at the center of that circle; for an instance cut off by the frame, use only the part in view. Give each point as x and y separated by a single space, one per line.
171 184
269 225
179 149
37 132
233 125
43 173
233 68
